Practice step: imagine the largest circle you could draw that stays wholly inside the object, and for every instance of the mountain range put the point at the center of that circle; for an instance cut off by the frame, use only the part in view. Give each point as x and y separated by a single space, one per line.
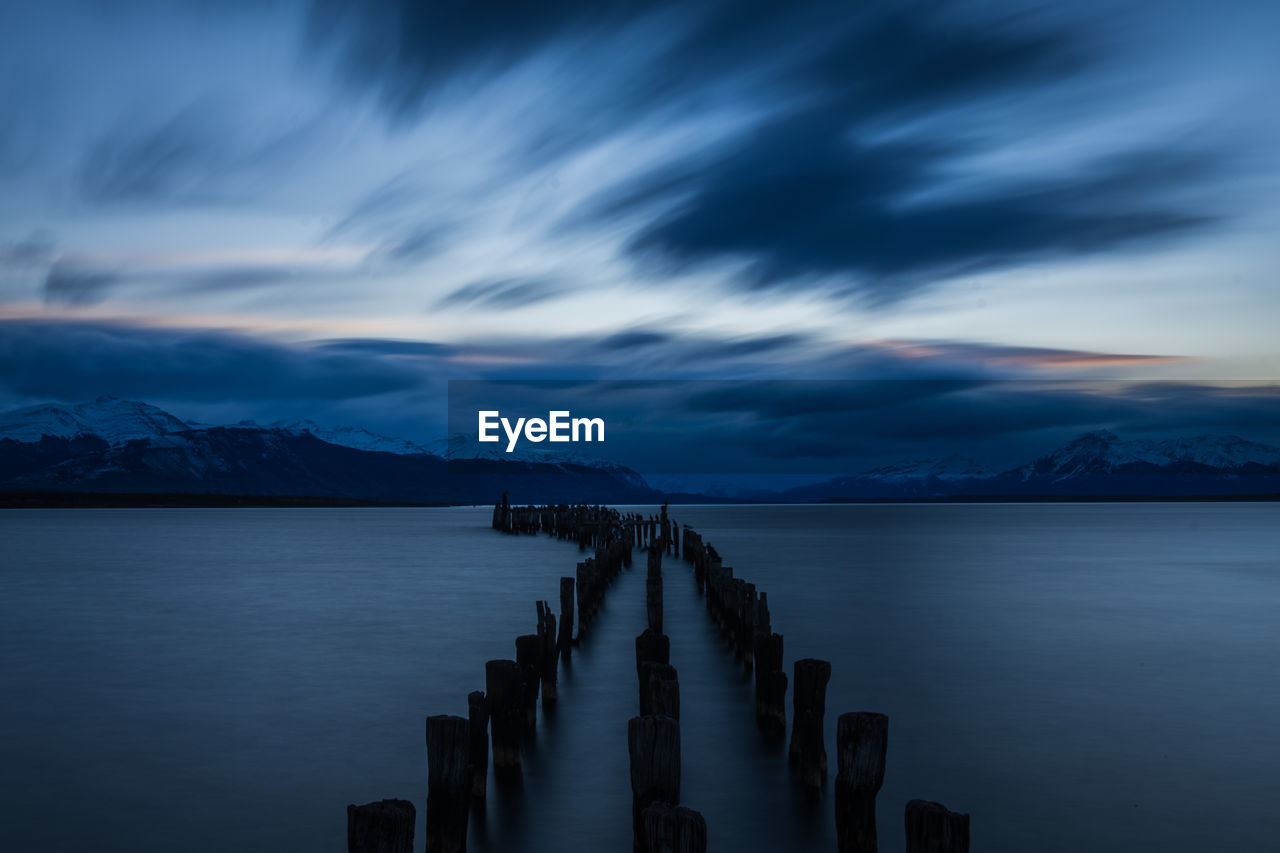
113 446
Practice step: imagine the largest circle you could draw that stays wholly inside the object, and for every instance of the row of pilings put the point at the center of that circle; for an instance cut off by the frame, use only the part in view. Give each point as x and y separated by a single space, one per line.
741 614
660 824
500 717
458 748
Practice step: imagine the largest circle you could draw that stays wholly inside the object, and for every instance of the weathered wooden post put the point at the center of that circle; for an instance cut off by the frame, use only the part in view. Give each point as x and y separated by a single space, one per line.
548 653
674 829
654 745
931 828
653 594
530 677
478 717
862 739
809 700
565 641
651 647
659 690
382 827
505 690
448 783
771 685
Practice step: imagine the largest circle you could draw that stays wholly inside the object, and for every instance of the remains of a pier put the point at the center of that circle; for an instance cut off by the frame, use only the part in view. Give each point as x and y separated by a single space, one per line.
478 717
458 748
381 827
505 690
861 743
449 783
932 828
809 703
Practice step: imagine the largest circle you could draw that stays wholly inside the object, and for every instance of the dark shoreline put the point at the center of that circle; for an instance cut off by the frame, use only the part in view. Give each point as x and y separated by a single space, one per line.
96 500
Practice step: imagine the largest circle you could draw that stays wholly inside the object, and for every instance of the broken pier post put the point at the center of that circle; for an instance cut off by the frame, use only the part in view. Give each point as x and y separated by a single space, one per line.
771 685
861 742
809 700
654 746
673 829
381 827
659 690
448 783
932 828
478 717
505 690
530 677
565 639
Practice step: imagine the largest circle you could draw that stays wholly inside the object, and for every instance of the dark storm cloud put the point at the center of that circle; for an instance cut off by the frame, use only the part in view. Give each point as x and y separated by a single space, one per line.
799 202
405 47
81 360
814 195
504 294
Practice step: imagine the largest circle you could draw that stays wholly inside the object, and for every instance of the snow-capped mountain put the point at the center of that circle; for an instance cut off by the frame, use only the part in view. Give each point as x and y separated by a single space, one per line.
115 446
1104 452
354 437
129 446
113 420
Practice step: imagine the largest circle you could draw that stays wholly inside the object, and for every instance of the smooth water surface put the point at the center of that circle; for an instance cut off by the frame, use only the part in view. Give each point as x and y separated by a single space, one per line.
1078 677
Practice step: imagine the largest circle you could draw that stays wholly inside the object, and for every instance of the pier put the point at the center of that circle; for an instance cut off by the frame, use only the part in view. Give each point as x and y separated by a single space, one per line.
500 720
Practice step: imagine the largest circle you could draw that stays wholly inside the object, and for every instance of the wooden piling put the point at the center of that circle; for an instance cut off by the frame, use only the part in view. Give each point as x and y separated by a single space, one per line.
660 690
505 689
673 829
548 654
932 828
653 601
381 827
861 742
654 745
653 648
809 700
771 685
527 646
565 640
478 717
448 783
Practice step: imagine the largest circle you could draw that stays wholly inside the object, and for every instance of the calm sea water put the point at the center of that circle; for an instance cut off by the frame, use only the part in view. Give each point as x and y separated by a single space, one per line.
1078 677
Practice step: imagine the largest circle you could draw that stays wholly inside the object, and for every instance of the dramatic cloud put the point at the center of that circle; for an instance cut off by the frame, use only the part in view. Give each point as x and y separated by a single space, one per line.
818 193
81 360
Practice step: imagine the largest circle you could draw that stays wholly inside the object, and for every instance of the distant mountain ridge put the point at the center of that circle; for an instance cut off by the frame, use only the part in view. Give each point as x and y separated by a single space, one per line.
107 417
1096 464
115 446
122 446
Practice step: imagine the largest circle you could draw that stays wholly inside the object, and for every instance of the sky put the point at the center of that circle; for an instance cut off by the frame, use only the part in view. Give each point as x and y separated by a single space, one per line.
329 210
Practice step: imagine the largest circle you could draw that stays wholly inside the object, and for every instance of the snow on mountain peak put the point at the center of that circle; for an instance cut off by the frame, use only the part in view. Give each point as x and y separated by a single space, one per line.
112 419
1104 452
354 437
